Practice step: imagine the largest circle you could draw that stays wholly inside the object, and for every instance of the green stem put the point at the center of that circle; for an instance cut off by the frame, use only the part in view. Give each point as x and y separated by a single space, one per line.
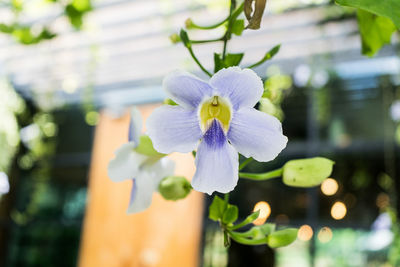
197 61
228 33
206 41
226 200
261 176
210 27
246 241
244 163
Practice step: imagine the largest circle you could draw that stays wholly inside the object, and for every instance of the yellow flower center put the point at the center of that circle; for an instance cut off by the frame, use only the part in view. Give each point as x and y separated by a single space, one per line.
218 108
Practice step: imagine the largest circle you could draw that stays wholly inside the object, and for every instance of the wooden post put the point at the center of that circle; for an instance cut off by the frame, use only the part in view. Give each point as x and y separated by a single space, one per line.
167 234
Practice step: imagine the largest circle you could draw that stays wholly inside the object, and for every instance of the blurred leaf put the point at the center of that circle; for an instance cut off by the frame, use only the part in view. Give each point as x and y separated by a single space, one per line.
216 209
375 31
282 238
307 172
230 214
238 27
6 28
229 61
75 17
145 147
270 54
82 5
386 8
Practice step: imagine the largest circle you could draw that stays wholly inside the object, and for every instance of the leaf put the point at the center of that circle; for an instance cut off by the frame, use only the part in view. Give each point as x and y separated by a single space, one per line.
229 61
376 31
270 54
282 238
307 172
6 28
216 209
386 8
238 27
230 214
145 147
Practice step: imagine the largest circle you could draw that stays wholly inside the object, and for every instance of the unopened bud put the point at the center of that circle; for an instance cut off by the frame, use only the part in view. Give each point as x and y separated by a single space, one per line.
174 187
307 172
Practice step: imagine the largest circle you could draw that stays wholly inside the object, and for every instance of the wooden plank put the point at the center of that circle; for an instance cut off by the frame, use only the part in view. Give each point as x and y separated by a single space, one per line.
167 234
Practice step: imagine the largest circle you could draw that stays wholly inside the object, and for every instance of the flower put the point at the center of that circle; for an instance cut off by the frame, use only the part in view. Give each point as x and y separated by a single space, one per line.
220 114
138 161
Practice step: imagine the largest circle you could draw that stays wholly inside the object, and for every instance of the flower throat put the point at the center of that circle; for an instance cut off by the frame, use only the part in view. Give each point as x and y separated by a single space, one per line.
215 108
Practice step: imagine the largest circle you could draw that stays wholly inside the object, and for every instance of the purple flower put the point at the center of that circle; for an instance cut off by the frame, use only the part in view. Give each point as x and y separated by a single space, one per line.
221 115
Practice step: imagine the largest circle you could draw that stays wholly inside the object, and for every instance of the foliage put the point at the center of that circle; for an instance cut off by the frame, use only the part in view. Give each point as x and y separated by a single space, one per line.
377 21
24 33
375 31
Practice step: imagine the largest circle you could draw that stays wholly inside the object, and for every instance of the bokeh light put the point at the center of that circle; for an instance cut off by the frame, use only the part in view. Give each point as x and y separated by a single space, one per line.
305 233
338 210
4 185
329 187
265 211
325 235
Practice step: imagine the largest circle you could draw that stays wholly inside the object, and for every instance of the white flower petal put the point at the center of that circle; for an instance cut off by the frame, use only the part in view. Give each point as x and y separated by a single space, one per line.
146 183
173 129
135 125
126 163
186 89
256 134
216 163
242 86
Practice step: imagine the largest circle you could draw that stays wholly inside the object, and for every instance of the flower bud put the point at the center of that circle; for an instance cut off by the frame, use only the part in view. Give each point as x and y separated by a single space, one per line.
189 23
174 187
307 172
175 38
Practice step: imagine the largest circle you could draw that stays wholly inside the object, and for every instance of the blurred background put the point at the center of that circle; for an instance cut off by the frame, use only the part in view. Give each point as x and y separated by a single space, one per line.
67 68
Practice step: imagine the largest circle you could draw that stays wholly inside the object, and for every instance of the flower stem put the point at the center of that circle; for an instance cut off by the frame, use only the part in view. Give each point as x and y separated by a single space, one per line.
261 176
206 41
197 61
216 25
228 33
244 163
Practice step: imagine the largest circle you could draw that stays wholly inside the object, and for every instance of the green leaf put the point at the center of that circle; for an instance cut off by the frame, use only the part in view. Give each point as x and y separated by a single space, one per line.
230 214
270 54
229 61
145 147
307 172
282 238
174 187
249 219
385 8
216 209
6 28
238 27
82 5
376 31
